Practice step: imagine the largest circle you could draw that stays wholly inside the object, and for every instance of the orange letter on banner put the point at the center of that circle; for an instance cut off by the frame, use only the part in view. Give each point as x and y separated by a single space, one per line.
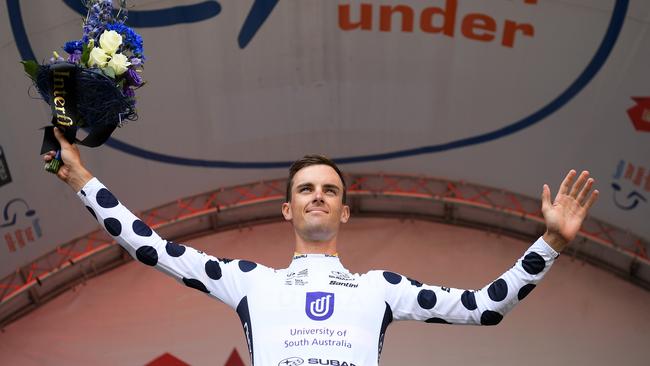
364 23
629 171
385 18
448 16
473 22
29 234
10 242
639 176
511 28
19 237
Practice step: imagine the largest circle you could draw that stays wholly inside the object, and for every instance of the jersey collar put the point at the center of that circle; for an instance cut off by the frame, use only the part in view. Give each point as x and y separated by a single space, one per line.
316 261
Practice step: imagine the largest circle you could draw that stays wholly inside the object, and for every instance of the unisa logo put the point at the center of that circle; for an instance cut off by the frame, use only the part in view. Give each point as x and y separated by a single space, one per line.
319 305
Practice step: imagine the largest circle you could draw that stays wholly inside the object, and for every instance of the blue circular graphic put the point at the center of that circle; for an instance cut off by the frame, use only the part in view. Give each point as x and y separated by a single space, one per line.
176 15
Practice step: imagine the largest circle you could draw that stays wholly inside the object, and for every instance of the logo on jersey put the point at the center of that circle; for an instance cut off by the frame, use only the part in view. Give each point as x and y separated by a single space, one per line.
337 278
341 276
319 305
291 361
344 284
297 278
319 361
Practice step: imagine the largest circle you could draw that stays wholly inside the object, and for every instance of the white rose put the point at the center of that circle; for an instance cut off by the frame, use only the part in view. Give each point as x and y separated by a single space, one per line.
118 63
97 57
109 41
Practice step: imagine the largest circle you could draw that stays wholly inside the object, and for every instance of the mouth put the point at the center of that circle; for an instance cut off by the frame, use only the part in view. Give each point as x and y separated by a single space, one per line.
317 210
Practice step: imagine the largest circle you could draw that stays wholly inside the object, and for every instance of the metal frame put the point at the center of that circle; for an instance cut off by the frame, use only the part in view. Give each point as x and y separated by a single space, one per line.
374 195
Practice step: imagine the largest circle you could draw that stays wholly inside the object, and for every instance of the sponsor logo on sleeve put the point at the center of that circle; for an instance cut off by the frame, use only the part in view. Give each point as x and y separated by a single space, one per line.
319 305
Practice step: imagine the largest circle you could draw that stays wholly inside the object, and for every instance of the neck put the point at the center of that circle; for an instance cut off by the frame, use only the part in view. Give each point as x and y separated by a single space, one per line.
304 246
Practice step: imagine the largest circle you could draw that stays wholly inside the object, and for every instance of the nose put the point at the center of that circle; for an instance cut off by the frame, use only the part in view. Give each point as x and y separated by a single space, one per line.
318 195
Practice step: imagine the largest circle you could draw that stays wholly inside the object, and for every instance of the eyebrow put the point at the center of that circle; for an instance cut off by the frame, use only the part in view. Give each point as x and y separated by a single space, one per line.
328 186
332 186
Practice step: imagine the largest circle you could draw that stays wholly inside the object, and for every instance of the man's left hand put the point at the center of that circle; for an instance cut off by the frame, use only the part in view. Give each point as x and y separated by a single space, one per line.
565 214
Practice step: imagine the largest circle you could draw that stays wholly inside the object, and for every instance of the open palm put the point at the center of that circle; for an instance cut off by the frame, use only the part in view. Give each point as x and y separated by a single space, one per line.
564 215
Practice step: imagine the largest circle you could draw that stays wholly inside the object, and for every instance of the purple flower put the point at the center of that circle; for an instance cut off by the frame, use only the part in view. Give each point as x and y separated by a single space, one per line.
129 92
75 57
133 77
54 60
98 14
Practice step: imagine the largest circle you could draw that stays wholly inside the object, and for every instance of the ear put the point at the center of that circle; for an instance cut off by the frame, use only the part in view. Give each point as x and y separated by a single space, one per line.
345 214
286 211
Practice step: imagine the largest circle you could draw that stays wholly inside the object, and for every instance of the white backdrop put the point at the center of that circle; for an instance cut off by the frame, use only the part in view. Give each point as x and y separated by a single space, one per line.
546 89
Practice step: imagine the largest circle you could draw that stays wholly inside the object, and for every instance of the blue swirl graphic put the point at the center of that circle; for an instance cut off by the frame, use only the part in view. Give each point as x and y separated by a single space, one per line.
633 198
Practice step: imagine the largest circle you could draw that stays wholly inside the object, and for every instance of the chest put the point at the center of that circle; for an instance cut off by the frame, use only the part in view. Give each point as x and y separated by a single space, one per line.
316 298
320 316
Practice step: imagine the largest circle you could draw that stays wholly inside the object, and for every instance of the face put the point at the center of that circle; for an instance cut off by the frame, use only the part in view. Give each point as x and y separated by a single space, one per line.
316 209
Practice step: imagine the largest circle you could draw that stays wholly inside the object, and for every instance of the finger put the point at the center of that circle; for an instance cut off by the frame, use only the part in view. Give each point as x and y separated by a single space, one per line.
592 199
62 173
546 198
60 138
566 183
585 190
579 184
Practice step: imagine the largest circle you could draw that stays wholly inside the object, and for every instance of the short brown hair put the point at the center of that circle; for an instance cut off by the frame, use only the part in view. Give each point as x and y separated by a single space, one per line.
309 160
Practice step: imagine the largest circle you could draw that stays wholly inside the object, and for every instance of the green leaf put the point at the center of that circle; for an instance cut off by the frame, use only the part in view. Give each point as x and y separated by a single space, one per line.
85 54
31 68
108 71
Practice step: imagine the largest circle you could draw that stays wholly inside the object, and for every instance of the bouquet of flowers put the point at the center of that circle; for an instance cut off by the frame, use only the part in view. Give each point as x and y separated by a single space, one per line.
94 87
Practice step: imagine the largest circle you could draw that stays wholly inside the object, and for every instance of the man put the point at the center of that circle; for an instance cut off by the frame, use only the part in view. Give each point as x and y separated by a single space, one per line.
316 311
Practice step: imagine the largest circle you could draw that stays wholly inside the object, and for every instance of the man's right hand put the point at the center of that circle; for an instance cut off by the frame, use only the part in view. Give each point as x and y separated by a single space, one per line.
72 172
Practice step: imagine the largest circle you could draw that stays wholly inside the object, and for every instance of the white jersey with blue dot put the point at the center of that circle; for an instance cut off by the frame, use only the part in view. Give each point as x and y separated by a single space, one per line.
316 311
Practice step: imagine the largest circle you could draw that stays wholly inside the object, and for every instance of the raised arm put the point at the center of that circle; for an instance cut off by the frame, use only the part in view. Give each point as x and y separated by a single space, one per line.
409 299
222 278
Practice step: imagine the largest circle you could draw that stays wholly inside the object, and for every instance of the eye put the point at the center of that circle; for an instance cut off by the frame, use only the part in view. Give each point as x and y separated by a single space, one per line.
304 189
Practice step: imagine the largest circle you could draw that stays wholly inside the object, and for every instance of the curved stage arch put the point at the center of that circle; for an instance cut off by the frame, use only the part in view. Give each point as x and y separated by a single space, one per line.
371 195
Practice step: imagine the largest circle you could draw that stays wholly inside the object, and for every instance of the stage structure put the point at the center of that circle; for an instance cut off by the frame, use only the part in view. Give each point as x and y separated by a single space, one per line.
371 195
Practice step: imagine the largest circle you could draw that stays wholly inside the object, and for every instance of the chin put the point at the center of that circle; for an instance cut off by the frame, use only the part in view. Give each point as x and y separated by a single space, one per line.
317 234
